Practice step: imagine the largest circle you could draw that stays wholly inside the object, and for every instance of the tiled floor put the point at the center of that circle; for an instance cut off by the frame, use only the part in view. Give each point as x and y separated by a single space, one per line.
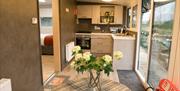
47 66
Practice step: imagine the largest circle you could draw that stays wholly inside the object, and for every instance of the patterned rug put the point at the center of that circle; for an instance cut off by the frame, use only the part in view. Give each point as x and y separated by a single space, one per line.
55 82
82 85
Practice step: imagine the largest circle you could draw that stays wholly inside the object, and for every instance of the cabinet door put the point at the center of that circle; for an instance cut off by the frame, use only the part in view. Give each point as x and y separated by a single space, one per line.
101 45
118 14
95 14
84 11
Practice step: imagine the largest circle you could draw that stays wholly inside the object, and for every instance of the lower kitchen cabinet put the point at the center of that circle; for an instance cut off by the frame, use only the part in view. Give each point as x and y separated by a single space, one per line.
127 47
101 44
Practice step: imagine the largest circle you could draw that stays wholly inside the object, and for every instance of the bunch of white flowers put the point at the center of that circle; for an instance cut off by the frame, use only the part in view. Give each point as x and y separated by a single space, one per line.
118 55
85 61
78 56
76 49
107 58
85 56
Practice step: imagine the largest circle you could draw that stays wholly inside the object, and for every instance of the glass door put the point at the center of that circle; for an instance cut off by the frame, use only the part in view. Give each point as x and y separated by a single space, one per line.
145 31
162 28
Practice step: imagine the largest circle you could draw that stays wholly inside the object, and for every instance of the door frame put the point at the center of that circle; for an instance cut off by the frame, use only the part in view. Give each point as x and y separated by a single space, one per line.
174 73
142 79
56 35
56 38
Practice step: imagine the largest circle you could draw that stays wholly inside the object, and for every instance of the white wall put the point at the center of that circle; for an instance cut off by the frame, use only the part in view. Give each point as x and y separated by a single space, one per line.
46 12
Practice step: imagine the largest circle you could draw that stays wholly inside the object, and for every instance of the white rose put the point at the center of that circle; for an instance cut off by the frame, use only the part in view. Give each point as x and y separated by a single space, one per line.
87 56
118 55
87 53
105 65
107 58
76 49
78 56
72 64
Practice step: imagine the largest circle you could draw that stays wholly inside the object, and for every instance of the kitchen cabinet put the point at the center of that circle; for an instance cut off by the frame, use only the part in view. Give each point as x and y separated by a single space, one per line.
118 15
95 14
107 14
101 44
84 11
127 46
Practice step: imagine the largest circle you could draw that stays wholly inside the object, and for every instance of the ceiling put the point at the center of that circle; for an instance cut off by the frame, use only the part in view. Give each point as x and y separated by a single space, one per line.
121 2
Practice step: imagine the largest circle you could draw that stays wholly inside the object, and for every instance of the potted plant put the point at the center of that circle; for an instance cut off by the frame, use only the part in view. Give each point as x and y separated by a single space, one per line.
90 63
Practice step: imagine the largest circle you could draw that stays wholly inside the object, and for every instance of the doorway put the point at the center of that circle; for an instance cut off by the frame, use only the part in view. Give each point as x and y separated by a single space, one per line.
46 39
162 32
155 40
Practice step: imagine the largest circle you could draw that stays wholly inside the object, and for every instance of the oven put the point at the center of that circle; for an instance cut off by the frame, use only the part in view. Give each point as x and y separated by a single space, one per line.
83 40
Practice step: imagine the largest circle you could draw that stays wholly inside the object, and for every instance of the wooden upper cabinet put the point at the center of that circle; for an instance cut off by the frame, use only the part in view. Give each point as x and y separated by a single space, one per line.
84 11
95 14
118 15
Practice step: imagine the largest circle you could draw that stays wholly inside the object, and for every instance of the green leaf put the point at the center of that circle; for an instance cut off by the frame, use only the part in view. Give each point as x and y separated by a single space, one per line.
73 53
80 51
92 58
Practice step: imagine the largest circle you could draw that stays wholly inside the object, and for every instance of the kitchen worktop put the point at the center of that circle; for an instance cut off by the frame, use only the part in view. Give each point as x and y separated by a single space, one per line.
101 34
117 37
114 35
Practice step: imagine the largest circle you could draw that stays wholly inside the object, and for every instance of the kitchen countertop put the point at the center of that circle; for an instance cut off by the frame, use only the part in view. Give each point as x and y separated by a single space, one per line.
101 34
114 36
117 37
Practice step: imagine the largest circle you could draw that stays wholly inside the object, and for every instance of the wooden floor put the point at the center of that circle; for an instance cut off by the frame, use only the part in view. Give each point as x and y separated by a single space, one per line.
47 66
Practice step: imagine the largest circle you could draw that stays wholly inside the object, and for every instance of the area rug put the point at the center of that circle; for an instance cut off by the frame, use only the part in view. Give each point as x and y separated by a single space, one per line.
82 85
130 79
55 81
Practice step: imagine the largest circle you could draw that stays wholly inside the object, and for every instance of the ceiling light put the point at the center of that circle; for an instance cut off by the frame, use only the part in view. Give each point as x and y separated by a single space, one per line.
42 0
161 0
107 0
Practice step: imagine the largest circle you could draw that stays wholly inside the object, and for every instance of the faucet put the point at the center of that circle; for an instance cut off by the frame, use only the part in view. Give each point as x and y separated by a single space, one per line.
123 29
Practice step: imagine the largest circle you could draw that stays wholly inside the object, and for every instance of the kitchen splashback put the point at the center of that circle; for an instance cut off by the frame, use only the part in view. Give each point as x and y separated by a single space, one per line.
84 25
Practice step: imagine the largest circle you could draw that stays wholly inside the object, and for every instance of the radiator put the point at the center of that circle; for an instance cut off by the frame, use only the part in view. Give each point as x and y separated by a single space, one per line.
5 85
69 48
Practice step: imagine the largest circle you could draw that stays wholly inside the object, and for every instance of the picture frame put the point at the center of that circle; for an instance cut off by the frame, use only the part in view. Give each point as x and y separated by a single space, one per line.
134 16
46 21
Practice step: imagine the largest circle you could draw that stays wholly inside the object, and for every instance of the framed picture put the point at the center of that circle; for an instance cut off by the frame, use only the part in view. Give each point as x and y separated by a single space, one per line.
46 21
134 16
128 17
